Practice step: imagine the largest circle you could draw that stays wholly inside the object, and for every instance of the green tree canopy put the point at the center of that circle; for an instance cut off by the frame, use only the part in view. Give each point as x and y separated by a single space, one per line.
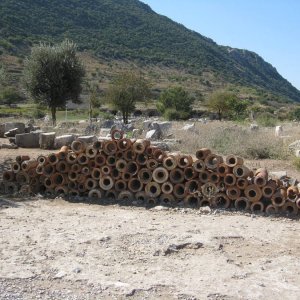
53 75
223 102
175 103
126 90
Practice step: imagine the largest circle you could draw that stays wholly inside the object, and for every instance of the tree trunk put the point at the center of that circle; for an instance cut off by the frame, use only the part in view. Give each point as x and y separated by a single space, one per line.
53 113
124 117
220 115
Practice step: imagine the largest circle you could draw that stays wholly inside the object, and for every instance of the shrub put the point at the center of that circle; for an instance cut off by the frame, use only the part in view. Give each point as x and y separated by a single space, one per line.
172 114
266 120
38 113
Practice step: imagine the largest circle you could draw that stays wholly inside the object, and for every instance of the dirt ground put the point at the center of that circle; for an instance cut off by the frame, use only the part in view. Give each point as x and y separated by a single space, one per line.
54 249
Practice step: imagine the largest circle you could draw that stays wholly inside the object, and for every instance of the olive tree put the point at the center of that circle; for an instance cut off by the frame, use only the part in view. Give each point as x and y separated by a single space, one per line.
53 75
125 91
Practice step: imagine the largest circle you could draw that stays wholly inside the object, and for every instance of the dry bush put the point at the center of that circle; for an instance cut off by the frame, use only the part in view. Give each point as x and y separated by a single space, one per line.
228 138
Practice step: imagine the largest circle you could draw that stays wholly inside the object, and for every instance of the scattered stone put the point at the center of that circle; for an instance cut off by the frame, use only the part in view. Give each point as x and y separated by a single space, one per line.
87 138
153 134
77 270
161 145
63 140
278 174
254 127
188 127
160 208
163 127
59 275
8 146
11 132
28 140
11 125
174 248
147 124
205 209
108 124
104 132
294 146
47 140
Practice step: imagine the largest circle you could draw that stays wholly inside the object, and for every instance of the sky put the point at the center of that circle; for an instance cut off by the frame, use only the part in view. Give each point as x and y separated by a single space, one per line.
271 28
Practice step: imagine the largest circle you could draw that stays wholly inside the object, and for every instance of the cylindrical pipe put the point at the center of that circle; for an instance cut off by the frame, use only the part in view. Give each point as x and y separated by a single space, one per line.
203 201
212 161
253 193
61 190
241 171
214 177
145 175
191 201
125 196
78 146
261 177
82 159
105 170
97 145
135 185
167 199
42 159
48 183
115 174
220 200
184 161
141 196
49 170
190 173
106 183
10 188
22 178
242 203
81 178
111 160
110 147
16 167
95 194
71 158
140 146
92 164
141 159
170 162
62 166
269 189
192 186
90 184
230 179
160 175
279 198
209 189
298 203
202 153
117 134
233 192
257 207
126 176
59 179
76 168
204 176
159 154
120 185
176 176
111 195
129 155
242 183
124 144
199 165
121 165
28 164
223 170
151 164
90 151
232 161
62 153
292 193
179 191
290 208
100 160
152 189
96 173
40 169
271 209
81 188
132 168
72 185
167 188
21 158
73 176
8 176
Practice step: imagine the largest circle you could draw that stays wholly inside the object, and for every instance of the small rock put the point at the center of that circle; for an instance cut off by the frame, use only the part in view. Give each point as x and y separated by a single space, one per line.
59 275
188 127
77 270
153 134
159 207
205 209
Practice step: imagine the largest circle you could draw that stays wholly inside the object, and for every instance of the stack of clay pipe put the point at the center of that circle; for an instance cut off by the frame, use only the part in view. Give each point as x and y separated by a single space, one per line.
125 169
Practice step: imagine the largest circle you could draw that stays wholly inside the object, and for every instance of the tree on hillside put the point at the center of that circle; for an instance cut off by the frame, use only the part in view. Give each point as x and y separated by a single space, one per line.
222 102
53 75
126 90
94 99
175 103
9 96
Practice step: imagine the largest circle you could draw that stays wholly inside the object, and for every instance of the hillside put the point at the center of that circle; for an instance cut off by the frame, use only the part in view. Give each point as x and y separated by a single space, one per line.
130 31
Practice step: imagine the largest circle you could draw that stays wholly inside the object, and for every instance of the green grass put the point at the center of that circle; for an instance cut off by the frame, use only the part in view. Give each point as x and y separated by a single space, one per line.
72 115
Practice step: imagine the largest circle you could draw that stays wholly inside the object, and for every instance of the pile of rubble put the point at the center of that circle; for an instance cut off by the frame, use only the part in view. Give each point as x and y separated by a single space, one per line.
125 169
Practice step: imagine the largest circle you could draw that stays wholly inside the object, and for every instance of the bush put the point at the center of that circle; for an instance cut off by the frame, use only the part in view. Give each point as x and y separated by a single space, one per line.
266 120
38 113
175 104
173 114
296 163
